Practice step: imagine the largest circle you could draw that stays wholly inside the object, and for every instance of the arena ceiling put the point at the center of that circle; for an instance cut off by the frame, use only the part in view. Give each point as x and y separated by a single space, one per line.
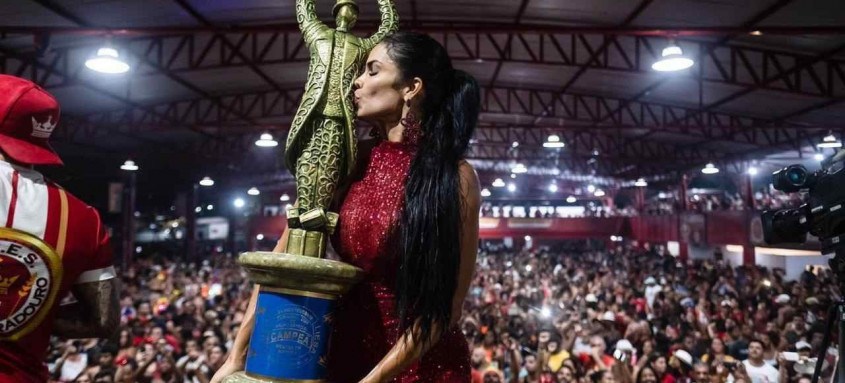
209 76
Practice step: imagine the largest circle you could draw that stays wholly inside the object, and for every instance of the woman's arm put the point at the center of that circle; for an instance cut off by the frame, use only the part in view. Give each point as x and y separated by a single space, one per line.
237 356
409 348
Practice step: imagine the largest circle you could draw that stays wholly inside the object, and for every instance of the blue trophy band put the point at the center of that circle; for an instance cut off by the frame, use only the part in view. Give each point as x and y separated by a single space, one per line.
291 335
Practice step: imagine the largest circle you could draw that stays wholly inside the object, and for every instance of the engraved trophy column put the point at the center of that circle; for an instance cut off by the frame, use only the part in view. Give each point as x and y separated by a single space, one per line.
293 313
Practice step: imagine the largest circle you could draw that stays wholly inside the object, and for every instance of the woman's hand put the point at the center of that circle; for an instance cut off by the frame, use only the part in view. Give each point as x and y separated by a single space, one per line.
229 367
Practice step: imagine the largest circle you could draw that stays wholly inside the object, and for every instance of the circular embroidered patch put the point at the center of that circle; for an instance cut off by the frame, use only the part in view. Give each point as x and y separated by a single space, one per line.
30 276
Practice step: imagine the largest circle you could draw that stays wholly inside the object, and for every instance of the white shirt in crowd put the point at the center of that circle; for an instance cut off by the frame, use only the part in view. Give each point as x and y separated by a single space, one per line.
651 294
763 374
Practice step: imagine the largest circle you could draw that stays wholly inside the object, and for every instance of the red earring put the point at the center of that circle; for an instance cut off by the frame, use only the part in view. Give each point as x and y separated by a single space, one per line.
411 134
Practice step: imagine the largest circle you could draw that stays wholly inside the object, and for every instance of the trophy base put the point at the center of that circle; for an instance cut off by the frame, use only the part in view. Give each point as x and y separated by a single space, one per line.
293 315
242 377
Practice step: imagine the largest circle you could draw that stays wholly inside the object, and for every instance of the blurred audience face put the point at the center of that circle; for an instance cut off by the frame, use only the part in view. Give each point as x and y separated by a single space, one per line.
755 351
531 363
478 358
565 375
647 375
701 373
659 366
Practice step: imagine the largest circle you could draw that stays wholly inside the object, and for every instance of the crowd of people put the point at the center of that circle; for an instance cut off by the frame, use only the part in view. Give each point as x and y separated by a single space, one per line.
566 314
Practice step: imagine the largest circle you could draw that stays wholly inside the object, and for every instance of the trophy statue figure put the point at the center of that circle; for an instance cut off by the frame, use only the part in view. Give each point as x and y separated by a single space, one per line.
289 342
320 150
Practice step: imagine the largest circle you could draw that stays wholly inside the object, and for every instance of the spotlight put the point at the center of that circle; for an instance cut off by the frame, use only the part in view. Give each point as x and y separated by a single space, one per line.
829 141
553 142
129 165
498 183
710 169
253 191
266 141
672 60
239 202
107 61
206 181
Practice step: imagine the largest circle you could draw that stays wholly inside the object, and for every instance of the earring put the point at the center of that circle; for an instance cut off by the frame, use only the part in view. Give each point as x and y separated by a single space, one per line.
411 134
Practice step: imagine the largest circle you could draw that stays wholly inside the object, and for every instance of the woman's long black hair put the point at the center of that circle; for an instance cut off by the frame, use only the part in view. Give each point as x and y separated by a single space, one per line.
429 230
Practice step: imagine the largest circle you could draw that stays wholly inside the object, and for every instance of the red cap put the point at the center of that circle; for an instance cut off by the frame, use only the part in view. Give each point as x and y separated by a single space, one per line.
28 116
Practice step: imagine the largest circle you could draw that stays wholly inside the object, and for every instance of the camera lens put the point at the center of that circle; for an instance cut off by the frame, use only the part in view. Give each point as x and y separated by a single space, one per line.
790 179
796 176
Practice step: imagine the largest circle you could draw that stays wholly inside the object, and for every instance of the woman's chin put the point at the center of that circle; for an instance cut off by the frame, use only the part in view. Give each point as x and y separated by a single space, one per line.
363 116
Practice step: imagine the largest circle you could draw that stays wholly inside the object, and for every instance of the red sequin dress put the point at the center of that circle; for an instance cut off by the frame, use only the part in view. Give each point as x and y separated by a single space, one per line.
365 322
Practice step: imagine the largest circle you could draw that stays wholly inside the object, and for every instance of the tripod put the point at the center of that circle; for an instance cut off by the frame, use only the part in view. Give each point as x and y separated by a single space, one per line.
837 310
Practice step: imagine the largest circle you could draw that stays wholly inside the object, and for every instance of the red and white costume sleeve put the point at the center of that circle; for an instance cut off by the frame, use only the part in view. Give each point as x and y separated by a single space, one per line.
33 205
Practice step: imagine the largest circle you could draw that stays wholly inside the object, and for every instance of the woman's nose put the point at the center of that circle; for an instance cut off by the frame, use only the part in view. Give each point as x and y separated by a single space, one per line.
357 83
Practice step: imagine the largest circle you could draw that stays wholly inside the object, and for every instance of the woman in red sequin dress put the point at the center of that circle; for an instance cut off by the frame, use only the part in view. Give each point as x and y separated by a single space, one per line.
408 218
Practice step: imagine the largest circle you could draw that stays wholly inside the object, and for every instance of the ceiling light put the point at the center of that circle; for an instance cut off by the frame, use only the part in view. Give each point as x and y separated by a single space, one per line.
641 183
266 141
553 188
591 188
485 192
515 144
129 165
498 183
519 169
829 141
513 175
107 61
553 142
284 198
819 157
756 33
710 169
511 187
599 193
209 207
206 181
239 202
571 199
259 237
752 171
197 209
672 60
253 191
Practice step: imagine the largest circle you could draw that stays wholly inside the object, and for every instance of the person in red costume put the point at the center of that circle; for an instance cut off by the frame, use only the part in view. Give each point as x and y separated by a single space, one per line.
51 243
408 218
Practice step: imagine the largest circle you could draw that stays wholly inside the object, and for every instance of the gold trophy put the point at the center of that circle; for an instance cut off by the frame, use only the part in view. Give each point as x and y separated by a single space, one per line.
289 342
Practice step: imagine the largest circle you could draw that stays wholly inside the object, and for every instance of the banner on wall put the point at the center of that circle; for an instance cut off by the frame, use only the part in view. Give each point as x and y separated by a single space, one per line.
693 228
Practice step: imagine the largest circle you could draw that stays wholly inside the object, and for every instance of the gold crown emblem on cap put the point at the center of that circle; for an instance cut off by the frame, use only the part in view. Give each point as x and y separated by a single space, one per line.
43 129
